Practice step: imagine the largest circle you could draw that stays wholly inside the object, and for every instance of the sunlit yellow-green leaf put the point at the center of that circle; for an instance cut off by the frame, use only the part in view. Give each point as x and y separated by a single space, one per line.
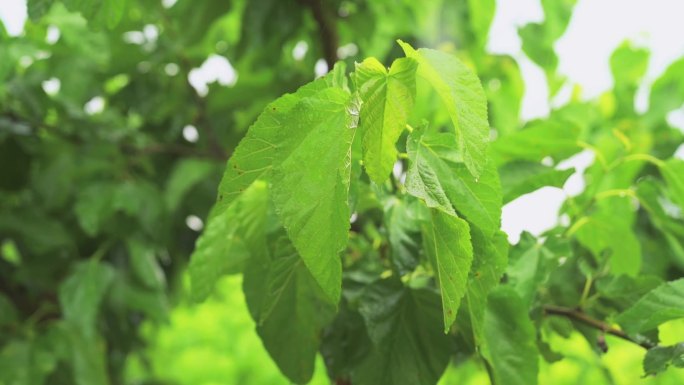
463 97
387 99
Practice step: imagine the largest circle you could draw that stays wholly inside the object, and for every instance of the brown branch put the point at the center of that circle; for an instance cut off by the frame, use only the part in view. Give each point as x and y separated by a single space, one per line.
327 29
582 317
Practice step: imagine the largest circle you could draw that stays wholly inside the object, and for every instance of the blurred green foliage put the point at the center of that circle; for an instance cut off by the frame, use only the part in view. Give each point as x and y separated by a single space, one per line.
102 184
210 343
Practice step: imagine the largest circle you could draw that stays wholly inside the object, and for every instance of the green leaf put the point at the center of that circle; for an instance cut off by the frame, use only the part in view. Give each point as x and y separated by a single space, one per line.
145 265
528 267
345 343
104 12
510 339
628 64
10 253
140 200
254 157
659 358
35 232
662 304
481 14
539 50
100 201
538 38
228 240
126 296
403 231
37 8
667 92
566 280
303 142
82 292
112 12
448 247
387 100
260 150
185 175
607 232
490 257
94 206
311 184
522 177
400 323
26 362
195 19
87 354
539 139
8 312
623 291
465 101
437 176
673 173
504 86
557 16
289 307
80 296
652 198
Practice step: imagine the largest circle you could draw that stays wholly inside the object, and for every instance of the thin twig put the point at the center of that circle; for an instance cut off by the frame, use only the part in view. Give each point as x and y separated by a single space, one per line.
582 317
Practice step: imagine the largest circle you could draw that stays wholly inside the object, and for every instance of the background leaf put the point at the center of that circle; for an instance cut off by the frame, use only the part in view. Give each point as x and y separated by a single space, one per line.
521 177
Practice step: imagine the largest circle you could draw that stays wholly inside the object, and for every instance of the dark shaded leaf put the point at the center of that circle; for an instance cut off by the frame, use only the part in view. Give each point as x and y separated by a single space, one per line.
401 322
659 358
662 304
509 339
289 308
